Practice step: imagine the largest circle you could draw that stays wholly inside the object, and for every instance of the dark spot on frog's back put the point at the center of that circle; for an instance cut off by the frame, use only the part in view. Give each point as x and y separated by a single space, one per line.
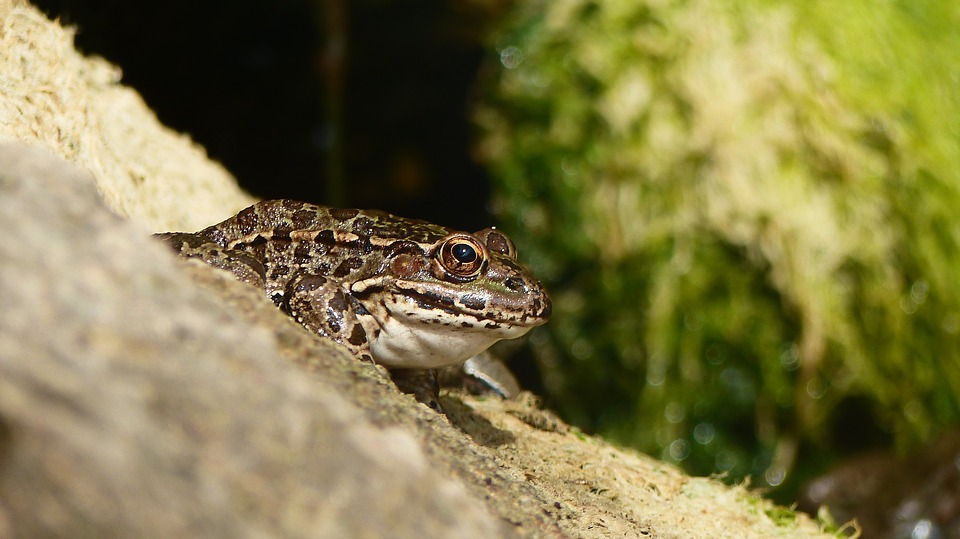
303 219
287 204
363 226
248 220
279 271
325 237
347 266
302 253
280 234
343 214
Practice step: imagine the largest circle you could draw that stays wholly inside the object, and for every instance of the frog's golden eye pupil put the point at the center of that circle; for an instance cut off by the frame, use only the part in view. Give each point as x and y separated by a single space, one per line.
464 253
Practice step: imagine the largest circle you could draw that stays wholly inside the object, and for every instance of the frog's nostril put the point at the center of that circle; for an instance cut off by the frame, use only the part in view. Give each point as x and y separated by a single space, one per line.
514 284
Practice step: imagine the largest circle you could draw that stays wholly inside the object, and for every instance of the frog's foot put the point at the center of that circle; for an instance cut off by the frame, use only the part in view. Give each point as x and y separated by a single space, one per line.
483 374
421 383
240 263
321 306
492 374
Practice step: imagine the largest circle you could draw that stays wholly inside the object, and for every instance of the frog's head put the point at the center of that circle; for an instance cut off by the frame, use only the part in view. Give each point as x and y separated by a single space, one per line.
441 302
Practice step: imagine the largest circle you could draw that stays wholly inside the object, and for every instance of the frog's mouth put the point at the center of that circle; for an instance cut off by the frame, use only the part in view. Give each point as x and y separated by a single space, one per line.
490 310
426 325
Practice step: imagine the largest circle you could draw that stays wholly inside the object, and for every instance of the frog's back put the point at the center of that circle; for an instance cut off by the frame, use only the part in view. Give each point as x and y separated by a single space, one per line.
279 219
347 244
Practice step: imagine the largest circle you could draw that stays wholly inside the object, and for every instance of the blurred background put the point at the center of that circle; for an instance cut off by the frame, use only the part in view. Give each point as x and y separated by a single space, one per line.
747 212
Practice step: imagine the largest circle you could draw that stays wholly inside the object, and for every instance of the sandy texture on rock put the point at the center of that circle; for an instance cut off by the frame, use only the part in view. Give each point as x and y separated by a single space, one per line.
145 396
135 404
602 491
75 107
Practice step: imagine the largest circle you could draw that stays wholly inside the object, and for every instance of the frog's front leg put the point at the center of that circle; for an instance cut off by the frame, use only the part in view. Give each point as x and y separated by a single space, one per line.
321 305
482 374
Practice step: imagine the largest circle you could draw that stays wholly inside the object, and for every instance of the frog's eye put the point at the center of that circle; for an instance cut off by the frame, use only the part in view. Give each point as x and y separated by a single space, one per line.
498 242
461 255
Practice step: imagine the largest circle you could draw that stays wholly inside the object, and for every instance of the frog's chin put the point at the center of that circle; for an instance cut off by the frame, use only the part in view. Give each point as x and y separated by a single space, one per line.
406 337
404 346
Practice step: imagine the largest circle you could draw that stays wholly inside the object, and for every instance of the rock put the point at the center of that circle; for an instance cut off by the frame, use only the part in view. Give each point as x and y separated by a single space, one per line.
75 106
132 403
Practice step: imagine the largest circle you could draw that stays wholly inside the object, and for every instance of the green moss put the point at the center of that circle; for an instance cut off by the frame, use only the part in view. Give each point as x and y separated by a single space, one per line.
746 214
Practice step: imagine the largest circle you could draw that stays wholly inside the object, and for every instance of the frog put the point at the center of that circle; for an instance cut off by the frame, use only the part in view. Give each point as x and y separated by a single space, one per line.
402 293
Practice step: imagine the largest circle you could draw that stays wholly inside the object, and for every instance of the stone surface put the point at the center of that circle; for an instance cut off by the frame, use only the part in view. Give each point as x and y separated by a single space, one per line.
133 403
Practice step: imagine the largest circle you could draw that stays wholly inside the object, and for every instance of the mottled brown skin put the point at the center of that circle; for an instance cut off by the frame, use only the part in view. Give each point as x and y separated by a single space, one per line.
401 292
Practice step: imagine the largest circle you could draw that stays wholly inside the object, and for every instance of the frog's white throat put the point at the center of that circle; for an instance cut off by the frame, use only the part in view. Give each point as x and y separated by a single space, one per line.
402 335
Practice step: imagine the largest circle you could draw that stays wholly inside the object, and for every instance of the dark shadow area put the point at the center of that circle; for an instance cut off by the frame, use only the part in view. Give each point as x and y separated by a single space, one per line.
361 103
472 424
